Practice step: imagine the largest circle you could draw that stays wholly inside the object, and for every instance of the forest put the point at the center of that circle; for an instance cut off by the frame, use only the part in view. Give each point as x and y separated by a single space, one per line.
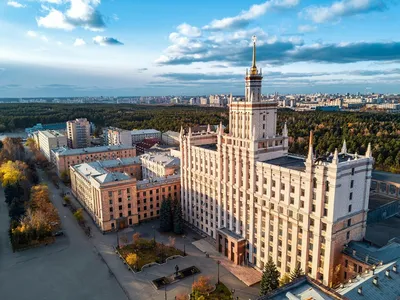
382 130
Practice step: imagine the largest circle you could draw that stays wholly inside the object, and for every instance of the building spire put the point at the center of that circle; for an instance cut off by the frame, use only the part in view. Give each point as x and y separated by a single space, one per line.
335 158
253 70
208 128
344 147
285 130
310 147
369 151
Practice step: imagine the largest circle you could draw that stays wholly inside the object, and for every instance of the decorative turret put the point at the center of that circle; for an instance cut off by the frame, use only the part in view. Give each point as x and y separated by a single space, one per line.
369 151
221 129
335 159
181 133
285 130
310 156
190 131
208 128
253 70
344 147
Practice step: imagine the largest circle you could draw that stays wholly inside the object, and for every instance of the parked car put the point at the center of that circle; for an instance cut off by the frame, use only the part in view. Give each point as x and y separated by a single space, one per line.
58 233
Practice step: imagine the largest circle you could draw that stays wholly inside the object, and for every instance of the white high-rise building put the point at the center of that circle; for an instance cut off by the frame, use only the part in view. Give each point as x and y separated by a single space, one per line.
256 201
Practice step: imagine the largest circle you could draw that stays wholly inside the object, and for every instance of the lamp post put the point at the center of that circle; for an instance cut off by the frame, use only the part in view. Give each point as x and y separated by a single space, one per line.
165 290
117 225
233 293
184 245
154 233
218 263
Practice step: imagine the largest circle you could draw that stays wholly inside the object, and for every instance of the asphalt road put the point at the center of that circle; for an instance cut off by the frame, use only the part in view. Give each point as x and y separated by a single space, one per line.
70 269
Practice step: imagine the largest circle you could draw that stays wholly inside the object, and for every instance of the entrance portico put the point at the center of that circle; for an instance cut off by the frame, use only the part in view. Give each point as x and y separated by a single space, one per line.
231 245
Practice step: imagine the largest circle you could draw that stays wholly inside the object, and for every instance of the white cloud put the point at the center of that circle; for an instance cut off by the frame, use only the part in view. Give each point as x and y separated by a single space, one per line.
81 13
44 38
106 41
31 33
188 30
255 11
15 4
79 42
55 19
52 1
306 28
343 8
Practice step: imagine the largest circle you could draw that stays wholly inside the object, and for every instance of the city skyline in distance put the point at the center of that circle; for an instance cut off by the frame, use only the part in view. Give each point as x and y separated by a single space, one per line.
69 48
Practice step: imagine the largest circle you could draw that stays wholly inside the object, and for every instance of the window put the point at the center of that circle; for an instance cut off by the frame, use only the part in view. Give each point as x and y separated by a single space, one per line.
326 186
351 184
351 196
129 205
110 201
313 208
350 208
119 200
302 204
292 189
273 183
128 191
348 222
352 171
348 235
303 192
323 226
120 207
282 186
110 194
315 183
120 215
346 263
111 209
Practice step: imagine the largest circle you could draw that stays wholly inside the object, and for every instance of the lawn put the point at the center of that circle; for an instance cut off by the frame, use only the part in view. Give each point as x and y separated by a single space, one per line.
148 252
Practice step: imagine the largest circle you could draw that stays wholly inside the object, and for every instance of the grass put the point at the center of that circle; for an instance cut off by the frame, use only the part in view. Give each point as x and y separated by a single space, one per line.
148 252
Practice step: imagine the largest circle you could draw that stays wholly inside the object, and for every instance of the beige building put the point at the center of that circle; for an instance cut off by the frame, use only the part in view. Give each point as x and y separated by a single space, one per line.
170 138
159 164
117 136
63 157
47 140
256 201
78 132
139 135
115 198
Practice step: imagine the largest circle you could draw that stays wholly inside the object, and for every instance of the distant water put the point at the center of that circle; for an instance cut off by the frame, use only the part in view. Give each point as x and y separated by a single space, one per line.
20 134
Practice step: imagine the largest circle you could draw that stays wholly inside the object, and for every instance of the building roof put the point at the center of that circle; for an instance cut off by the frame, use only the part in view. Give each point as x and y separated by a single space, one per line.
172 133
232 234
162 159
144 131
51 133
388 284
112 163
386 176
288 161
304 288
212 147
99 173
63 151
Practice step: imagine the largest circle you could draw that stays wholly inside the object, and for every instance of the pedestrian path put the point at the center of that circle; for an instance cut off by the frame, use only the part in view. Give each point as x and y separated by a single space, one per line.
247 275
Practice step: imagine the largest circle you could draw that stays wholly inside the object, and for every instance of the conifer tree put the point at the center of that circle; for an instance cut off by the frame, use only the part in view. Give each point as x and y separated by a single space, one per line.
178 222
270 278
296 273
166 215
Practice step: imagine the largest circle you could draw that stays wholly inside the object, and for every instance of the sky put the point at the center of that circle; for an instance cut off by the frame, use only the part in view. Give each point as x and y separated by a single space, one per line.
65 48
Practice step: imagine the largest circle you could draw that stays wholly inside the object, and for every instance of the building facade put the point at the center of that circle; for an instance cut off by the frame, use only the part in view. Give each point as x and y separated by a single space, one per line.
140 135
78 132
256 201
115 198
63 157
117 136
47 140
159 164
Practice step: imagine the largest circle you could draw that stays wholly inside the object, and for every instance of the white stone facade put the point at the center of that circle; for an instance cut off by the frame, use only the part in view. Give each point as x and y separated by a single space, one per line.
292 209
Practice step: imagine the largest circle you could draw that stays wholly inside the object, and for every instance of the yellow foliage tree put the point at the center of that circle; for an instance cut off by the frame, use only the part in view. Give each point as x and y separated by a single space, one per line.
12 172
132 259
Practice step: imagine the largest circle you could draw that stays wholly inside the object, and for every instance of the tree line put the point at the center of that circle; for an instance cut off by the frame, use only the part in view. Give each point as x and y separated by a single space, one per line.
382 130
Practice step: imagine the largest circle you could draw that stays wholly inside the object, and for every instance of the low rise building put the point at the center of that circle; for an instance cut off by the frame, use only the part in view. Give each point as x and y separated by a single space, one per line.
63 157
170 138
116 199
140 135
47 140
159 164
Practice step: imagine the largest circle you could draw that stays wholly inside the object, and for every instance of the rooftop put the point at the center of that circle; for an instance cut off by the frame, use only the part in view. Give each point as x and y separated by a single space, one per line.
212 147
63 151
144 131
303 288
165 160
382 232
386 176
288 161
51 133
119 162
99 173
232 234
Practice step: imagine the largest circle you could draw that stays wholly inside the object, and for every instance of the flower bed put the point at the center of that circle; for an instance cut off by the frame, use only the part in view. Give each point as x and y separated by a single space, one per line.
147 251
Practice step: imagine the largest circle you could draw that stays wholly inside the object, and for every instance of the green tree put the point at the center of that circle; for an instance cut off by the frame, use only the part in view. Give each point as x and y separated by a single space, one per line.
178 221
166 215
270 278
296 273
78 214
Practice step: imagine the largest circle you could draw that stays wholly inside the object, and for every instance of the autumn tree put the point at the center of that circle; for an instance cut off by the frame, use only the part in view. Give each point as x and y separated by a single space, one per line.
78 214
12 150
12 172
285 279
202 285
132 259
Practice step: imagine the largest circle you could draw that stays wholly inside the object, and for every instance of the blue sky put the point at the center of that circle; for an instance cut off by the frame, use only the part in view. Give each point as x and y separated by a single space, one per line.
159 47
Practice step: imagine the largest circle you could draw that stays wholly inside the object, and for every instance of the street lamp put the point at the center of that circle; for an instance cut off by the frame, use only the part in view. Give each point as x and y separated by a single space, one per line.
154 233
184 245
165 290
218 263
233 293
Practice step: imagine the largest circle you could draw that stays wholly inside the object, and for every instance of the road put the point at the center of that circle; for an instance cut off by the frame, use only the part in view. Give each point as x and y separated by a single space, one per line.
67 270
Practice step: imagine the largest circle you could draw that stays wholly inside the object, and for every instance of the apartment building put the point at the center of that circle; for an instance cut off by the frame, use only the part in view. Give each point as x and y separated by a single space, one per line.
78 132
46 140
117 136
256 201
117 199
63 157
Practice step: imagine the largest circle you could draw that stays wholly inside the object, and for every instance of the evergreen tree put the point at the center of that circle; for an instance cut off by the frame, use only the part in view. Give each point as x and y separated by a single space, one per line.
166 215
296 273
270 278
285 279
178 222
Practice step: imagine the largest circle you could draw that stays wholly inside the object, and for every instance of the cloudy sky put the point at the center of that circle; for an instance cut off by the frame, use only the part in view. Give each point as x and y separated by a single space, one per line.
159 47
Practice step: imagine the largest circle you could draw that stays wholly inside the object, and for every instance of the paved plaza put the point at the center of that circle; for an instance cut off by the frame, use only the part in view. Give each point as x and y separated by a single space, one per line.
77 267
